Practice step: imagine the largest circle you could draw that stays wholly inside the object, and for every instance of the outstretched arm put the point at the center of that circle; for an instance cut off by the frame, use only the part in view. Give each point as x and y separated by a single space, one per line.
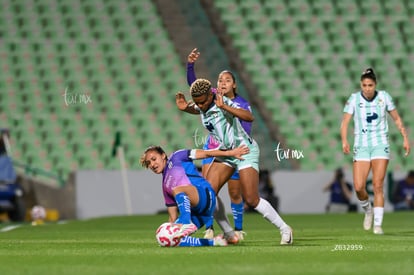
236 153
192 57
398 121
240 113
327 187
183 105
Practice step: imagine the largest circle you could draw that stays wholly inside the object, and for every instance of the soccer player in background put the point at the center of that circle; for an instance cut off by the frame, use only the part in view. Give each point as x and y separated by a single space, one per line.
189 198
340 193
226 85
220 117
403 194
369 107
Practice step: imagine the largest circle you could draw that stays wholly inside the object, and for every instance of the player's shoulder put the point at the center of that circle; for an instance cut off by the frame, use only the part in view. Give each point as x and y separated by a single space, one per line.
354 96
179 154
383 93
239 98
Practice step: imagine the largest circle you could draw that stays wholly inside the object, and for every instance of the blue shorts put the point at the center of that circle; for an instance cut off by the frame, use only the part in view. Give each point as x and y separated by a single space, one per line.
202 214
235 175
368 153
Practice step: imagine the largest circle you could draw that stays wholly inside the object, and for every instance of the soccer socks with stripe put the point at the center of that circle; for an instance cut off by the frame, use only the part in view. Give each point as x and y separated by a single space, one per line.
270 214
378 215
237 210
221 217
192 241
184 207
366 205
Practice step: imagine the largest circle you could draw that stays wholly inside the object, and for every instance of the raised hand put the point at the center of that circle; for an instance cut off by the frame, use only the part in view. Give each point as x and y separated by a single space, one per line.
180 101
219 100
193 56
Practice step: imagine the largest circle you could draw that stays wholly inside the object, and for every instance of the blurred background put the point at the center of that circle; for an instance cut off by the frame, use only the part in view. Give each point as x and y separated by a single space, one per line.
74 73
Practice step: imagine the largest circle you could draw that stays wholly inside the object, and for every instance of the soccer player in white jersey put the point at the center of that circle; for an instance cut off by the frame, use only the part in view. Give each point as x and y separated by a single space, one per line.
369 107
220 117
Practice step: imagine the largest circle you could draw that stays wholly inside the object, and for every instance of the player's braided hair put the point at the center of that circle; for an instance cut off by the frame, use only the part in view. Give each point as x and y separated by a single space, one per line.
200 87
157 149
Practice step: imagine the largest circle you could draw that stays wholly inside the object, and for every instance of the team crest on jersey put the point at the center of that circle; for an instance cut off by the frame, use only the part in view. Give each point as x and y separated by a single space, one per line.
381 103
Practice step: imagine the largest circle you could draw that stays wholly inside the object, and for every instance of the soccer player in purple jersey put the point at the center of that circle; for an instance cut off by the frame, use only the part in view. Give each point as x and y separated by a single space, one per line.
226 85
189 197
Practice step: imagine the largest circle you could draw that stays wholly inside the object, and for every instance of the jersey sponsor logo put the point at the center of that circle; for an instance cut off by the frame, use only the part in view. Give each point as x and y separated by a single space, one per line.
365 130
371 117
362 105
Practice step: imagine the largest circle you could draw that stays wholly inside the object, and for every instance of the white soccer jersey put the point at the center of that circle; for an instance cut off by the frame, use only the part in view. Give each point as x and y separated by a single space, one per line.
370 118
225 127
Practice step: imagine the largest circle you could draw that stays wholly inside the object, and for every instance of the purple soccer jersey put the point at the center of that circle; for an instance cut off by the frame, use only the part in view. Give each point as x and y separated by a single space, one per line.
179 171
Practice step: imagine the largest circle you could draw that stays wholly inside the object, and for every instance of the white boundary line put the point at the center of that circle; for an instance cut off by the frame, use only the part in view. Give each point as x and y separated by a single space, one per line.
10 228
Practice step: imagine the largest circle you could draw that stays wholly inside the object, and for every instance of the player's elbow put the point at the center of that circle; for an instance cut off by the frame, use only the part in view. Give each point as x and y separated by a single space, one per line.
249 118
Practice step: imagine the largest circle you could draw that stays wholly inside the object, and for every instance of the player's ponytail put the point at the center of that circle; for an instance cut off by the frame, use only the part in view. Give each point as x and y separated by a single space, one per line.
369 73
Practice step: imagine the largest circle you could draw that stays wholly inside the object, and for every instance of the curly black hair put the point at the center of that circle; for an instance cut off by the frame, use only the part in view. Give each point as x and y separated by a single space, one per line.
200 87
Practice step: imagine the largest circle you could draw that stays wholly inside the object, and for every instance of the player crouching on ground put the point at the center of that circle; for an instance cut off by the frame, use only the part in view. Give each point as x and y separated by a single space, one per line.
189 197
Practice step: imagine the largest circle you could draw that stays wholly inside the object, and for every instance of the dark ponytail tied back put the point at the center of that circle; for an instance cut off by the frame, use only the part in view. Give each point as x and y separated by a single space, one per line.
369 73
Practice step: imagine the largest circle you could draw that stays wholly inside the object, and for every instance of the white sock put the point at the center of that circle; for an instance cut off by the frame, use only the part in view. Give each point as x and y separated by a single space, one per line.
270 214
221 217
366 205
378 215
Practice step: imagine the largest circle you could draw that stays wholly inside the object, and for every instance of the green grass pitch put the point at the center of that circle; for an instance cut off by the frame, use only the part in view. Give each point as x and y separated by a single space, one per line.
323 244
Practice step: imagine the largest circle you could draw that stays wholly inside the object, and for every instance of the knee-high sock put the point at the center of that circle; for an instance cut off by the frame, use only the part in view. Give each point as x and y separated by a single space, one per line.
221 218
378 215
183 204
270 214
237 210
192 241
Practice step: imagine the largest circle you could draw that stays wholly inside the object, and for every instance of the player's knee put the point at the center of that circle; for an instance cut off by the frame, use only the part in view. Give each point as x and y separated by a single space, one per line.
252 201
360 189
378 189
235 196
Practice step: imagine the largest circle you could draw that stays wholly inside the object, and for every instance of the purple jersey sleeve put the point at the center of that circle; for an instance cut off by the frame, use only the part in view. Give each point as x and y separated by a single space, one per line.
174 175
191 76
244 104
